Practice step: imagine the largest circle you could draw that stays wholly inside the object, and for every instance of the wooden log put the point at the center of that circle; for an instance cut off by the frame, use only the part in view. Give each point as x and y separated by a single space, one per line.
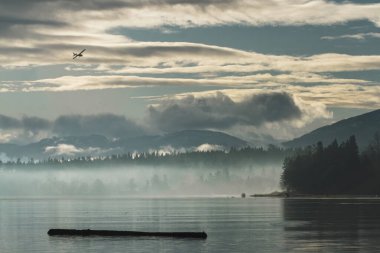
89 232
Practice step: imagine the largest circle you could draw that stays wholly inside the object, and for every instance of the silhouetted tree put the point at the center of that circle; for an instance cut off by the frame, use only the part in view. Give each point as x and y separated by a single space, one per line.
336 169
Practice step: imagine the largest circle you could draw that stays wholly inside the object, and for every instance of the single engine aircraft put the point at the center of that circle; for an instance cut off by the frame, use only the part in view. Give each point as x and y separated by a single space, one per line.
75 55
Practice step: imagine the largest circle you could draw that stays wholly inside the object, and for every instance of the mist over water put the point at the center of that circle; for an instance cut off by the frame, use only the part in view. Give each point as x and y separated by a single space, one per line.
137 181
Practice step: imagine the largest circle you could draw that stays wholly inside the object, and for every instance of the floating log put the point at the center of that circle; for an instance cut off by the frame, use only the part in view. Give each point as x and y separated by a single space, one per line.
89 232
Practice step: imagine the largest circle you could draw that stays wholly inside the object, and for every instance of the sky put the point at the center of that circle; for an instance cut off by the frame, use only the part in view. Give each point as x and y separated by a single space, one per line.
257 69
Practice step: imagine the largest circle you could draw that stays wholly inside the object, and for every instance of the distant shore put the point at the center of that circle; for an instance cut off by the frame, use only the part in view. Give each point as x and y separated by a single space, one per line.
278 194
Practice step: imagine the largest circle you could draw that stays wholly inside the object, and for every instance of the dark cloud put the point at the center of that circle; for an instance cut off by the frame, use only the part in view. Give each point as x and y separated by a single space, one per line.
151 49
221 112
9 123
155 49
72 4
190 112
162 50
11 50
33 124
17 16
109 125
53 51
4 20
10 25
111 4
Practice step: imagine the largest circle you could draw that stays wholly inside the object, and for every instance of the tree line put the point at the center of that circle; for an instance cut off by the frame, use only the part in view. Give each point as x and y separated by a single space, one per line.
233 158
334 169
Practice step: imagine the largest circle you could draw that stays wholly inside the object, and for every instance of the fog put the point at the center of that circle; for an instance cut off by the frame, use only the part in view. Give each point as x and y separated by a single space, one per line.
139 181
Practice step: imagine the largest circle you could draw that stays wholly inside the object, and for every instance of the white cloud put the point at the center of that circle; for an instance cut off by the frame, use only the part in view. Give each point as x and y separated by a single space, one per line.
64 27
339 95
222 60
70 150
99 15
167 150
41 33
209 147
179 57
63 149
6 137
356 36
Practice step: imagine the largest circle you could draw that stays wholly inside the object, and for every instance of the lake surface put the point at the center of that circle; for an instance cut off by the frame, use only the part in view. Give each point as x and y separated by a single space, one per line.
232 224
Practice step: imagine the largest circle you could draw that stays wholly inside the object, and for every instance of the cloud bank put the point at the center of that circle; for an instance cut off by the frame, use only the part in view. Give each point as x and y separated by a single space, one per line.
154 13
217 111
45 33
29 129
355 36
32 124
109 125
69 150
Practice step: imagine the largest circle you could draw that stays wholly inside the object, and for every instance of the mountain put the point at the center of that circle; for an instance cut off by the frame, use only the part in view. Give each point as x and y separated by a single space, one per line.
363 127
38 149
100 145
183 139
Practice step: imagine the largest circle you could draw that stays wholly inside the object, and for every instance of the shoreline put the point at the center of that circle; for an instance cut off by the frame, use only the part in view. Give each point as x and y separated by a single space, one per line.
313 196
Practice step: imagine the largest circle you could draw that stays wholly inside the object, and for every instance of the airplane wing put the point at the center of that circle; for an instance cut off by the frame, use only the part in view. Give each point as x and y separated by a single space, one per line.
79 54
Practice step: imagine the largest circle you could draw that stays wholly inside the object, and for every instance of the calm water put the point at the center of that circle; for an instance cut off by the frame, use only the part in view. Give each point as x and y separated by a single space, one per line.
233 225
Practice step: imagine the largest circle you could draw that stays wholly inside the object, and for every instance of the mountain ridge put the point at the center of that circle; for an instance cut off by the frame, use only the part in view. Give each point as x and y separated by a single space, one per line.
363 126
79 145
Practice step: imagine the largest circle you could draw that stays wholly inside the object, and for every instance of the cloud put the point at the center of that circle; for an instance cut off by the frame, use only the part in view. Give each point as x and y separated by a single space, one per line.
26 123
9 122
29 129
63 149
209 147
298 114
73 83
241 112
70 150
317 96
343 95
356 36
10 25
221 112
218 67
227 110
35 124
176 57
109 125
167 150
155 13
5 138
125 52
45 33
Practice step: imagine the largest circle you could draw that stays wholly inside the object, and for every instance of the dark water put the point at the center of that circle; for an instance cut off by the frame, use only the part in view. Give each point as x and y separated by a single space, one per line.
233 225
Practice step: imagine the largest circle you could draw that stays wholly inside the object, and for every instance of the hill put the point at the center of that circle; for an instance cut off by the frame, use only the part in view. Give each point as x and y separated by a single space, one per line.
99 145
363 127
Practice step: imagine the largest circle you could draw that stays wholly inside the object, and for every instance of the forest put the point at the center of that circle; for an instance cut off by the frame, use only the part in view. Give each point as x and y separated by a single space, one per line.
233 158
338 168
334 169
250 170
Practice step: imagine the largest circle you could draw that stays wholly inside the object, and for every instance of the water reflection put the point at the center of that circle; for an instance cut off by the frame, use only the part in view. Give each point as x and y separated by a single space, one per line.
332 225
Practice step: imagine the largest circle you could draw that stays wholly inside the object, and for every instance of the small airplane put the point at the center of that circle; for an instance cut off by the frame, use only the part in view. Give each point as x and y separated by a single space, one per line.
75 55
